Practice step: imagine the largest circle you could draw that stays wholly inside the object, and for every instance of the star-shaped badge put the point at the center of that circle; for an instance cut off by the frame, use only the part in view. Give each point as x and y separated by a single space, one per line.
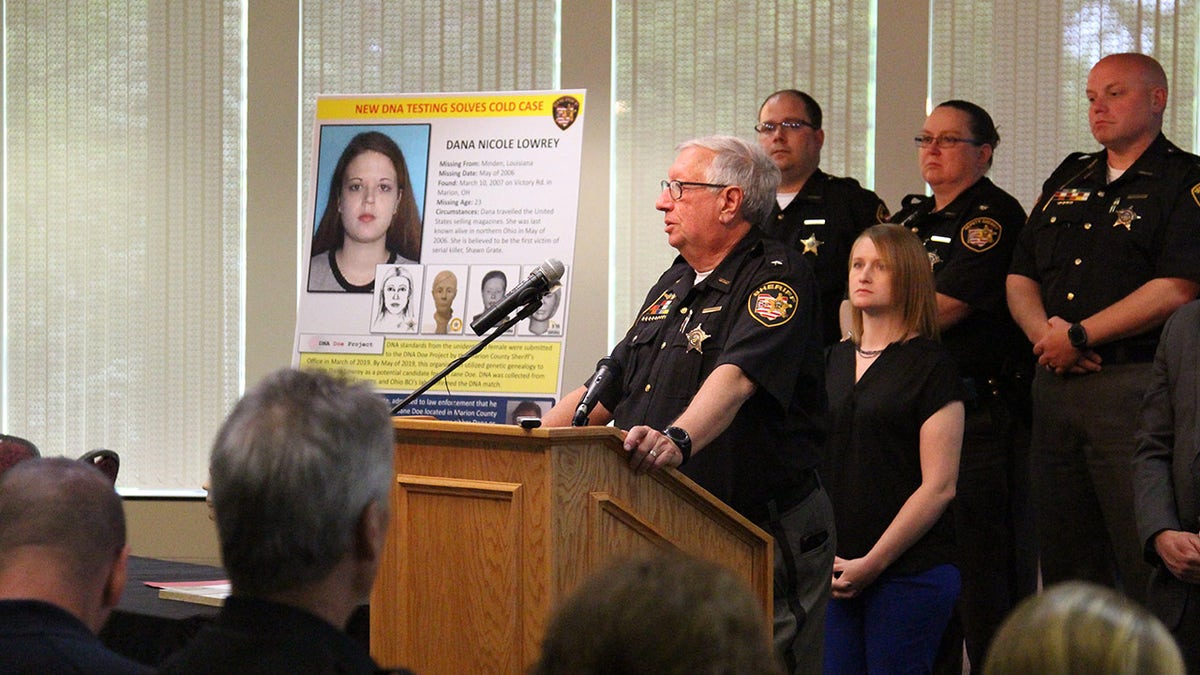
1125 217
811 244
696 338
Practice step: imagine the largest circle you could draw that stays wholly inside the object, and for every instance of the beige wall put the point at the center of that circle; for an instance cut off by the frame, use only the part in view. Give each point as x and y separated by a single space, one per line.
180 529
177 529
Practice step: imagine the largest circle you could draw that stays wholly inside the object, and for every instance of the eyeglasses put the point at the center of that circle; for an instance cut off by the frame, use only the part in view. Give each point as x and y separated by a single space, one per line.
790 125
676 187
926 141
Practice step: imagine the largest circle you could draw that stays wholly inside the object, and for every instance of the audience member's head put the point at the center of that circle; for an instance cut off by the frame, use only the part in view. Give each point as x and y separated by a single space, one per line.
299 475
62 537
1078 627
663 614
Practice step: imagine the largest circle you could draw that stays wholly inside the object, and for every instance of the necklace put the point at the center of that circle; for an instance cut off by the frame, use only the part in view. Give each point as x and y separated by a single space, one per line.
868 353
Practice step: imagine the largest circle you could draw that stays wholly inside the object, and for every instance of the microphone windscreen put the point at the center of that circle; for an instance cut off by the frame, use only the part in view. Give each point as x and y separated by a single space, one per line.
552 269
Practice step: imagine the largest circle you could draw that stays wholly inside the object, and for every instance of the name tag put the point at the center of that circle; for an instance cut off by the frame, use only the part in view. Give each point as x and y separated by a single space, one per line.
940 239
814 221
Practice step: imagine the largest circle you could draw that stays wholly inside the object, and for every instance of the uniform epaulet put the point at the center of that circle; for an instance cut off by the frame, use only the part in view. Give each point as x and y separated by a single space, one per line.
1080 157
913 200
852 182
779 255
1175 150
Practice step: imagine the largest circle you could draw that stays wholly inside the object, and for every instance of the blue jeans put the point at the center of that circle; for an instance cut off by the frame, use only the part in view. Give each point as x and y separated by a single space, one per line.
894 626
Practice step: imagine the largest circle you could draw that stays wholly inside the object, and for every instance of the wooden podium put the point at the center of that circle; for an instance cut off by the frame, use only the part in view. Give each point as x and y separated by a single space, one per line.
493 525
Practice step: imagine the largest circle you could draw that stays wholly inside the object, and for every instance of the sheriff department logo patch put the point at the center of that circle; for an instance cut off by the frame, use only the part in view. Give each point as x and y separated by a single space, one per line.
980 234
773 304
566 109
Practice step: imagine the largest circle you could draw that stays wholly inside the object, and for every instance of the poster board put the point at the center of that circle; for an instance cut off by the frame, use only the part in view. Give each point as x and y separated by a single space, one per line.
493 180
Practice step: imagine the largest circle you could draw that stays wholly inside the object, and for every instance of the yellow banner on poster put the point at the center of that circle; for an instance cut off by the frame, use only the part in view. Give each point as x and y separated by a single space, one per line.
509 367
454 105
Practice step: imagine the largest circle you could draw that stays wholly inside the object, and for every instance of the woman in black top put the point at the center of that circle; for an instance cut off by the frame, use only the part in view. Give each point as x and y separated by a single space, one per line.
896 426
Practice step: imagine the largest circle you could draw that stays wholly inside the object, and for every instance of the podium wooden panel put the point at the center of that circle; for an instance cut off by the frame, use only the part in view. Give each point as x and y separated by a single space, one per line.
493 525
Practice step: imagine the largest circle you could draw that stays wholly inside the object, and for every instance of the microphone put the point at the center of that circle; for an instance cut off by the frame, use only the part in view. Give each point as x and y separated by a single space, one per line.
607 370
540 282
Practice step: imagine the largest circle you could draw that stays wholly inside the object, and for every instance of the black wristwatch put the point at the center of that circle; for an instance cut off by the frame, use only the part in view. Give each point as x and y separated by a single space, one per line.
682 439
1078 336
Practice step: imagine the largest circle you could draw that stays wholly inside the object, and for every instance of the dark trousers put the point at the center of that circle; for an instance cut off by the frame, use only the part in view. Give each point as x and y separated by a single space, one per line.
1187 633
993 523
805 542
1080 455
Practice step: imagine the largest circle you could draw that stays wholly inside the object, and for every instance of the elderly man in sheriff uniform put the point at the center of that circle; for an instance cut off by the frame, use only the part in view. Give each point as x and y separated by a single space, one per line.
815 213
969 227
1111 249
722 375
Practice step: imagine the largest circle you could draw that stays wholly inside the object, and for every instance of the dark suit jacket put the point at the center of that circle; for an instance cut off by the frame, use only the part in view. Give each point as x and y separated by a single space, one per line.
1166 469
252 636
37 637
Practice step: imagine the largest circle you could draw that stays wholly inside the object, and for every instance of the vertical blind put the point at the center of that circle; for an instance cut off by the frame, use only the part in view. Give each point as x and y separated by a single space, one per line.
413 46
1027 61
685 69
122 229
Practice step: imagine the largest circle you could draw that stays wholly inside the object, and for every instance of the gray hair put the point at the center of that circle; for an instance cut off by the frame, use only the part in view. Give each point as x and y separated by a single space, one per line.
65 507
292 469
742 163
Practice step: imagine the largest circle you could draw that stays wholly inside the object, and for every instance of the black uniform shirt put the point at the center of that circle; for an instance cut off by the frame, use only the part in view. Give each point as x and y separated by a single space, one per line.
970 245
1090 244
755 311
822 222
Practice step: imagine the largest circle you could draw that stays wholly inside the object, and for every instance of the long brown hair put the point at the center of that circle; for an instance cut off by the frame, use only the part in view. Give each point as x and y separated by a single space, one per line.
913 291
404 232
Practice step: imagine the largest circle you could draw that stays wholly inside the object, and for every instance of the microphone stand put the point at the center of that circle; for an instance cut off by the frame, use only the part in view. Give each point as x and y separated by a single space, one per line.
496 332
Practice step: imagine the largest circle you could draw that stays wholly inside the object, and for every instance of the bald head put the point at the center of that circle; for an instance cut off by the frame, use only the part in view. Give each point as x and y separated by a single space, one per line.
66 509
1144 68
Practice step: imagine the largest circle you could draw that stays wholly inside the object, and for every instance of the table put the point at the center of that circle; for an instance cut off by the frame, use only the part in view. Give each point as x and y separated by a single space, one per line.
148 629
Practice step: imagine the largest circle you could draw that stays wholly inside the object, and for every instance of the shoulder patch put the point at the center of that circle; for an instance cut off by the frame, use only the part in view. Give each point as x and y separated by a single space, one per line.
773 303
881 214
1196 193
980 234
